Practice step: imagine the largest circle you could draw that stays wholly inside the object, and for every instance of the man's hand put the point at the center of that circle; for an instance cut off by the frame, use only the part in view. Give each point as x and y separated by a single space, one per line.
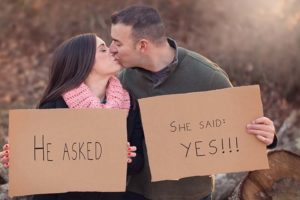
263 128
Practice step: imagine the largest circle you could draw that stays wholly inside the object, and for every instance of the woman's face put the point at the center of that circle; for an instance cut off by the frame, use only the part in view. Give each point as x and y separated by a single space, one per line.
105 64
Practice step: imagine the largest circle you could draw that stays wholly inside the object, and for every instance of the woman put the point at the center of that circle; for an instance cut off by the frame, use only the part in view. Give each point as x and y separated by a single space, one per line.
83 76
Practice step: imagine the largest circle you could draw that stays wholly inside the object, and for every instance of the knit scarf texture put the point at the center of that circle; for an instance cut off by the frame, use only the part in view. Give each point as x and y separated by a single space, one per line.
82 97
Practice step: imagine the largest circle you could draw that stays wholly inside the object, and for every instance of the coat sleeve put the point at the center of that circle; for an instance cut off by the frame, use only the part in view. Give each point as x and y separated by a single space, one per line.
274 143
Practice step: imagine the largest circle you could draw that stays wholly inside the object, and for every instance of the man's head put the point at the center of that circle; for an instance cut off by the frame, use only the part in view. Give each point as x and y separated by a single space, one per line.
134 30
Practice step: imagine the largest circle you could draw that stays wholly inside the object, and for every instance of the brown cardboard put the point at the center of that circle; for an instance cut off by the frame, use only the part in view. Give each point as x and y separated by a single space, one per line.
98 136
202 133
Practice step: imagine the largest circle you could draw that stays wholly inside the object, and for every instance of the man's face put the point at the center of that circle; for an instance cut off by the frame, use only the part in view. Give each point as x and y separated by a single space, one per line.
122 46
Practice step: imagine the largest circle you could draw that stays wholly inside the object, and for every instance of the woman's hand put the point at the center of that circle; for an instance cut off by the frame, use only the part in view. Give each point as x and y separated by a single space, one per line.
4 156
131 152
263 128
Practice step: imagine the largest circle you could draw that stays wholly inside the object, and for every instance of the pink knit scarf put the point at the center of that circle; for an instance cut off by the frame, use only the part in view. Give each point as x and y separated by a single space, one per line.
82 97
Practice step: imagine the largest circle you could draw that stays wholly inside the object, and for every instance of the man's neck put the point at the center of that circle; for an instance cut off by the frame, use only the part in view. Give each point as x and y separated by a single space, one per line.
161 57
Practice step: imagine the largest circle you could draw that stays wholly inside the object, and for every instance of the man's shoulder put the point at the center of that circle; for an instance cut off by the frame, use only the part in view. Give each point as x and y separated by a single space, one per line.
197 66
193 58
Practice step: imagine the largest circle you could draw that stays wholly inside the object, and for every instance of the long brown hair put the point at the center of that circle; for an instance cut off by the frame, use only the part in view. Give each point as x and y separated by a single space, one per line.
72 62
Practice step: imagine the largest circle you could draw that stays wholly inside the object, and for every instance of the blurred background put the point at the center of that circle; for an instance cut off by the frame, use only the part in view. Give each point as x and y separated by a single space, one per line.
255 41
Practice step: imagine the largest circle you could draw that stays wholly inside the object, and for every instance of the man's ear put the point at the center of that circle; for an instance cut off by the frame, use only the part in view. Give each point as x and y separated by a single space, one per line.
143 45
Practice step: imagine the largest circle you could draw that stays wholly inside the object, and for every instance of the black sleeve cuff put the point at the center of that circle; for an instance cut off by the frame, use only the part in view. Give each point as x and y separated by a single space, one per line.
274 143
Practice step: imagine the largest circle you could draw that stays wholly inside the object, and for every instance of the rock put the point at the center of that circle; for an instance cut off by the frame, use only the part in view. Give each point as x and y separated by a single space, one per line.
226 183
289 133
3 174
3 192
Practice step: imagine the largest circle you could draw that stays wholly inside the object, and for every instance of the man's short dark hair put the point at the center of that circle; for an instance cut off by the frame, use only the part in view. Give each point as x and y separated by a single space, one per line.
145 21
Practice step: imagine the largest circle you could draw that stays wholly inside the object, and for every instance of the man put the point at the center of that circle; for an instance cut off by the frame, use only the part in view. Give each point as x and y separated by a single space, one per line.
155 65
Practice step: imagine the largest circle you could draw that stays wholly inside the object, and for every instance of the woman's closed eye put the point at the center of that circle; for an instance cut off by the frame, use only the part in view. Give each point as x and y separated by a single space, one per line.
102 48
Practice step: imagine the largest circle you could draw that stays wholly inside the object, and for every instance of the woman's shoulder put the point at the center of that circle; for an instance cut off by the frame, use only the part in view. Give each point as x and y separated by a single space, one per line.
56 103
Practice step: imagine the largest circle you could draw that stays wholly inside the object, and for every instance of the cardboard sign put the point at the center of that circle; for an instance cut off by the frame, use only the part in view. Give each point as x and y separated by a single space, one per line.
202 133
61 150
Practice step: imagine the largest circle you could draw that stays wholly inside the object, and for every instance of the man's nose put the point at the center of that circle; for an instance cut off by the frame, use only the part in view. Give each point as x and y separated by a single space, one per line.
112 48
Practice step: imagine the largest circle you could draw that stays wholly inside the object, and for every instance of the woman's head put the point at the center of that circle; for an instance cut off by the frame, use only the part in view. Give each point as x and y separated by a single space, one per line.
105 64
74 61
